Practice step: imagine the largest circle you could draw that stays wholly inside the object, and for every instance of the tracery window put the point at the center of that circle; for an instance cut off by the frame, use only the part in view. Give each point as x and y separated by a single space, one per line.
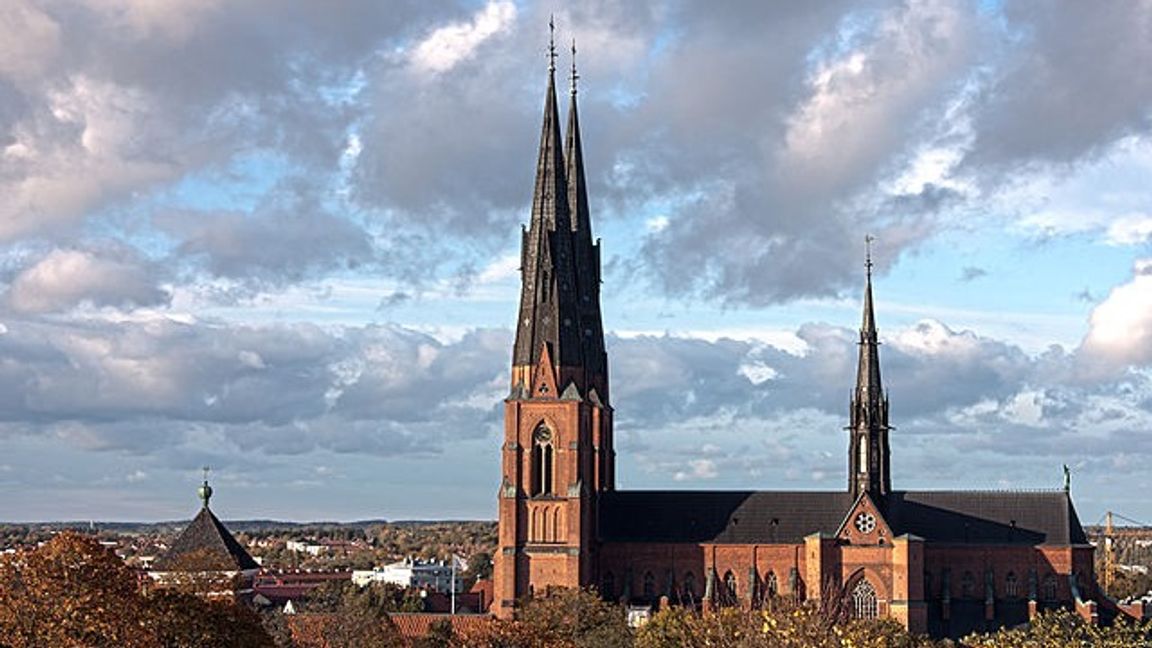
688 588
1011 585
967 585
542 461
771 586
864 604
649 586
729 588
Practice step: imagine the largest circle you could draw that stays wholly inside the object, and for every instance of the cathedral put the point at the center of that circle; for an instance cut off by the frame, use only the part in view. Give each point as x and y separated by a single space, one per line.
940 562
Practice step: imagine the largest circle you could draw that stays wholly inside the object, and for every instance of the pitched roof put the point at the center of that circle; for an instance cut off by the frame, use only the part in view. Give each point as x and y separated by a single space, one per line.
986 517
206 539
725 517
786 517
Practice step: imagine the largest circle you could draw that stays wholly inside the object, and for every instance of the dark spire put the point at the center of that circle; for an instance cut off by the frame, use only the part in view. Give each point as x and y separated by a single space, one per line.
869 454
586 251
868 373
548 303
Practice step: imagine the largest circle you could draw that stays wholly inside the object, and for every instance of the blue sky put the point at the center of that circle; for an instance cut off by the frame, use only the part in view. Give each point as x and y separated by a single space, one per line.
280 239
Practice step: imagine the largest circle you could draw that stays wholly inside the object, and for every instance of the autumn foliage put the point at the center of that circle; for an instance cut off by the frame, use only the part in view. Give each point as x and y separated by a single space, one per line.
72 593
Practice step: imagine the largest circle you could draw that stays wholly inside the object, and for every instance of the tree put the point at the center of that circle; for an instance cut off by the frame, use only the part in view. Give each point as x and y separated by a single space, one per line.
564 618
70 592
181 619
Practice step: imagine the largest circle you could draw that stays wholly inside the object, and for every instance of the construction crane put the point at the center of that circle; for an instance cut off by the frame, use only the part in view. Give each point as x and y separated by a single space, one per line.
1109 554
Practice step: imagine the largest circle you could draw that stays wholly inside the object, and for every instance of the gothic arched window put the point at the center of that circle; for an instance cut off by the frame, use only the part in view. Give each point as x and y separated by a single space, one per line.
729 587
649 586
688 588
1048 588
771 586
967 585
608 587
542 461
864 600
1011 585
863 459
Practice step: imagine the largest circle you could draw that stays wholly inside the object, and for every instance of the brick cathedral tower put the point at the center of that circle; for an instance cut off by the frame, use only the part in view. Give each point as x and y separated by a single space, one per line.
869 457
557 456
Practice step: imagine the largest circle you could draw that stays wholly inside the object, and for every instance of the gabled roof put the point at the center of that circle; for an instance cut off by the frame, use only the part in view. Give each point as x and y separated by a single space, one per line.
986 517
786 517
207 544
725 517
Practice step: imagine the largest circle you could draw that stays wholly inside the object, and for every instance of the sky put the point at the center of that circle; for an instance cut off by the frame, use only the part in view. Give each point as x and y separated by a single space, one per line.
280 239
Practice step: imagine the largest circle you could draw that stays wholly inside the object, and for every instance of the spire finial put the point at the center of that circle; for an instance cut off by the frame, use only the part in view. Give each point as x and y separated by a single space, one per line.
868 238
551 43
205 491
575 77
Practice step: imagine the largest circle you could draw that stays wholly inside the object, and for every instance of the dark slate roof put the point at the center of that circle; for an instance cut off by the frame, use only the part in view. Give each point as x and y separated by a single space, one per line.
986 517
727 517
207 537
786 517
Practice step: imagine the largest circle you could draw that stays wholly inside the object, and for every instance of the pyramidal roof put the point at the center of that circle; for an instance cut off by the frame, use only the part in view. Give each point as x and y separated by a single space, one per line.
205 545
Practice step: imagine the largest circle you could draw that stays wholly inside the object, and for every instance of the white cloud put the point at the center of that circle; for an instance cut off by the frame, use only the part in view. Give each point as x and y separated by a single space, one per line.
1132 229
1120 329
444 48
65 279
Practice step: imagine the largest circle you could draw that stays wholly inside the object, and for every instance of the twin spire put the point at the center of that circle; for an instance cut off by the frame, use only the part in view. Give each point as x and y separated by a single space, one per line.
560 262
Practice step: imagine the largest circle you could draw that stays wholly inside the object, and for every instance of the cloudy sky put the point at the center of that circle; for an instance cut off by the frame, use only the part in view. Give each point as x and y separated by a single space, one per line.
280 239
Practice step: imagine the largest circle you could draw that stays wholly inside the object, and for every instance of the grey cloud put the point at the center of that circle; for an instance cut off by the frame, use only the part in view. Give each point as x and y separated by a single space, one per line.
152 386
291 239
1069 87
972 273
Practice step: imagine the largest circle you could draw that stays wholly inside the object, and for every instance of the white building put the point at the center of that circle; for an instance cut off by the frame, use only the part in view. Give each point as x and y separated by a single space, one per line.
410 572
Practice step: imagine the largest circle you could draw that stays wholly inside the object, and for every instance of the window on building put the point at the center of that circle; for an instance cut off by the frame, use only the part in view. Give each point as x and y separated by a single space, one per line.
771 586
1048 588
649 586
542 461
688 589
863 459
967 585
927 584
729 588
1011 585
864 600
608 586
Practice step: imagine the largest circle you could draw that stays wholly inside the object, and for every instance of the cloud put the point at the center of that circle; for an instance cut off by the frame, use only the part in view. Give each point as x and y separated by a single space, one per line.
447 46
1062 93
67 278
972 273
1120 328
289 240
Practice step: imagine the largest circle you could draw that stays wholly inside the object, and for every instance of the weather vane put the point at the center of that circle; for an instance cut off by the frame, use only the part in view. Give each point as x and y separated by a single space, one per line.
868 238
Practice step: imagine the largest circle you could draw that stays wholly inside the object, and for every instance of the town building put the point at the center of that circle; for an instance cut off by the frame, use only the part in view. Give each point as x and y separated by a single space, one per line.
206 559
943 562
437 575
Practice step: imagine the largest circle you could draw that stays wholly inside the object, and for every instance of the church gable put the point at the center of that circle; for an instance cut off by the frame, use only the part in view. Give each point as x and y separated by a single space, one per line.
865 524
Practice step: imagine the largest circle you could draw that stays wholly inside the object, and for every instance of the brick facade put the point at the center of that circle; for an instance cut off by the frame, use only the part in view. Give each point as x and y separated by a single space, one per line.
945 562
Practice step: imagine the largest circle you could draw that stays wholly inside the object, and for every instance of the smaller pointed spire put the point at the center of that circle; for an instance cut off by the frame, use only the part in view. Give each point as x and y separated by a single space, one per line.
575 77
205 491
551 43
